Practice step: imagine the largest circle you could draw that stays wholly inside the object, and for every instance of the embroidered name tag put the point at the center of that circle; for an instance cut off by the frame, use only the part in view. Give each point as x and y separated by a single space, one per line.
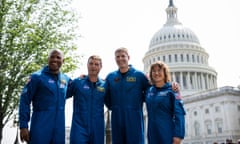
101 89
131 79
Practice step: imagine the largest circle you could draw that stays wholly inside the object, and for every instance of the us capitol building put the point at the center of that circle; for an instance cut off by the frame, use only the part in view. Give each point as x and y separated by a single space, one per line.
212 113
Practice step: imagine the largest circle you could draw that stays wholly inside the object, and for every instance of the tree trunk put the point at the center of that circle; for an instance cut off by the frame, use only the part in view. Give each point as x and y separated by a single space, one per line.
1 133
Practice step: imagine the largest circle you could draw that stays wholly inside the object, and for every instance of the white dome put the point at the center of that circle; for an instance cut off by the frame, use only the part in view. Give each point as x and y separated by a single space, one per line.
171 33
180 49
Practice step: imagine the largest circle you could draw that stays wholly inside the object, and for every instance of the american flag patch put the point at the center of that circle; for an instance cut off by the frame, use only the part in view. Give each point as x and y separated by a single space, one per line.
178 96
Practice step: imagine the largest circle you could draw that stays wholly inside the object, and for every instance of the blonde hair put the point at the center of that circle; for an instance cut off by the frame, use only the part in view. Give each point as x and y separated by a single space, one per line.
122 49
165 68
95 57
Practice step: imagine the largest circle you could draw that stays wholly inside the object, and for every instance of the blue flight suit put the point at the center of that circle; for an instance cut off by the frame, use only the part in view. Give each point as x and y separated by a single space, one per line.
88 111
47 94
125 98
165 115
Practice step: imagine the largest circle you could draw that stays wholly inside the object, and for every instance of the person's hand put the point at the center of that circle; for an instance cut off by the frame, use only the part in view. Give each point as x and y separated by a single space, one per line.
24 135
176 140
175 86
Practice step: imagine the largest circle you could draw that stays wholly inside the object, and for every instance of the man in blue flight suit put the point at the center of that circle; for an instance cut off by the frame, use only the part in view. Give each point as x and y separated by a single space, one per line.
88 112
46 92
125 98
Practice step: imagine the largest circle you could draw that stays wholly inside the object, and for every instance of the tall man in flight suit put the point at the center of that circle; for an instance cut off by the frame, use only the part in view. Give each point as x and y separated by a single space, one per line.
125 96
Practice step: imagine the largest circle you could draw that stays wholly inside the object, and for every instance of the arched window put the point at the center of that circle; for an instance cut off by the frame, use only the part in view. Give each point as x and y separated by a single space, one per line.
193 58
196 128
187 58
208 126
175 58
198 59
164 59
181 57
219 125
170 58
217 109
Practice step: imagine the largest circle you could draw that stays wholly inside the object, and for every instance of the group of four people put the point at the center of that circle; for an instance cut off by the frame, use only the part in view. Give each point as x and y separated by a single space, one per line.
123 92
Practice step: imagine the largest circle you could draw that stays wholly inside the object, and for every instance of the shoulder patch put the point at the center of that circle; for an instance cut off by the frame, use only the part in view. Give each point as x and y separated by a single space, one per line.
63 81
178 96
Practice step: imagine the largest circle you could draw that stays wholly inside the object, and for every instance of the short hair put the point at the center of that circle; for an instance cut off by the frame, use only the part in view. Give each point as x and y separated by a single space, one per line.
95 57
165 68
122 49
55 50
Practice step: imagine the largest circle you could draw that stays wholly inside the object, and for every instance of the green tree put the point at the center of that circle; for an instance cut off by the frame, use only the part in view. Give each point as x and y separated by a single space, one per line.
28 30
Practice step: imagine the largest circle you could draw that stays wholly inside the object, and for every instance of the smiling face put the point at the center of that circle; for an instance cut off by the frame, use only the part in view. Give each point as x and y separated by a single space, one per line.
55 61
122 58
159 73
94 65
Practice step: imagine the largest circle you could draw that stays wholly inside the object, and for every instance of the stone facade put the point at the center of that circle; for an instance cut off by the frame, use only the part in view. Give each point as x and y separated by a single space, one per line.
213 116
212 113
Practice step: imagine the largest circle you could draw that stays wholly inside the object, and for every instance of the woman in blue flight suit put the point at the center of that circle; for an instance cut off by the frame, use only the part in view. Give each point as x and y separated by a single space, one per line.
46 91
166 122
88 111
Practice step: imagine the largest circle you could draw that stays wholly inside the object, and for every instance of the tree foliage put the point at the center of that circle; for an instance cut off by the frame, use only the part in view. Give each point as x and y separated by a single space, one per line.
28 30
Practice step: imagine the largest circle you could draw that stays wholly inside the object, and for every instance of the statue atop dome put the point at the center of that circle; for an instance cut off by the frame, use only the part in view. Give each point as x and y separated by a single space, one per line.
170 3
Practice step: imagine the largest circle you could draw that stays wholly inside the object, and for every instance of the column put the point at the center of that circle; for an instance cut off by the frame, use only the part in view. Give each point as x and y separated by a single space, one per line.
174 76
189 86
195 80
203 81
181 80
